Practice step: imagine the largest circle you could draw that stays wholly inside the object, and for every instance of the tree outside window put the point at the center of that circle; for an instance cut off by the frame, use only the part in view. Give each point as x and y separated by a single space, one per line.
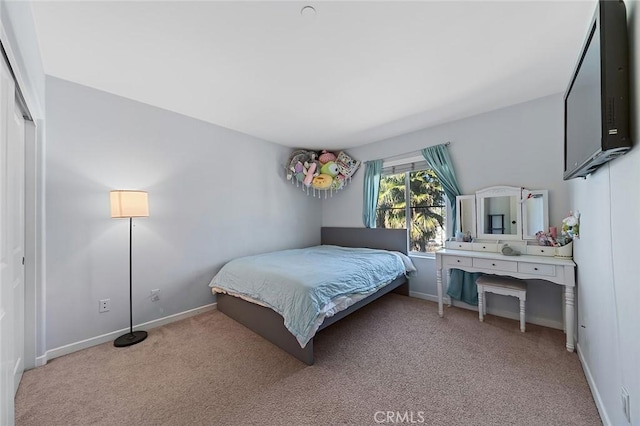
418 195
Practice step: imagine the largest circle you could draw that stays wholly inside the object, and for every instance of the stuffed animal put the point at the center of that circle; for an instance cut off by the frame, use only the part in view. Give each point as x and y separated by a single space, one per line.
298 171
322 181
326 157
338 183
330 168
309 174
296 164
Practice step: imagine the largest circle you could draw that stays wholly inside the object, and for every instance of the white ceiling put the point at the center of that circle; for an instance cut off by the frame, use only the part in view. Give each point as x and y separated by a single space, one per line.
356 73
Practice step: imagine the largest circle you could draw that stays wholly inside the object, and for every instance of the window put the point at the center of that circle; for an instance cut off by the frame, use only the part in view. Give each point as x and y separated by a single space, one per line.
416 194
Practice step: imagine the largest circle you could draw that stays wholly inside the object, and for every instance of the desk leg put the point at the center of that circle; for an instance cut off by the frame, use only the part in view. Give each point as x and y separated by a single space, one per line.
448 281
439 288
569 316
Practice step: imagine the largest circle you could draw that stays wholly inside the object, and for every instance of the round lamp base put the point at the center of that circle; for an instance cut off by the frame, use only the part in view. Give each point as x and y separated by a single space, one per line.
130 339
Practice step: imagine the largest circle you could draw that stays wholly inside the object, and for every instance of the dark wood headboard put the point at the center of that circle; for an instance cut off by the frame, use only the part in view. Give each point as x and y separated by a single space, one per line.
377 238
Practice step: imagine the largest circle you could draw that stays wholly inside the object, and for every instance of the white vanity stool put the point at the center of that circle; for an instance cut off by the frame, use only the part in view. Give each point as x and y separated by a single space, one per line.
506 286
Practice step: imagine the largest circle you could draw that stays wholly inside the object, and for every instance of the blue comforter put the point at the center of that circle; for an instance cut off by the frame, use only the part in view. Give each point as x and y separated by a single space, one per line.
300 284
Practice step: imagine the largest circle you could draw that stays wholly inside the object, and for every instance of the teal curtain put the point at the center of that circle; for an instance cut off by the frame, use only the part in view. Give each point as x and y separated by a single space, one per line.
372 172
440 162
462 286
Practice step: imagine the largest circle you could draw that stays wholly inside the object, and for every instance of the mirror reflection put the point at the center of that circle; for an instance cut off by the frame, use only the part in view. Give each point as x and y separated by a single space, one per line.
500 215
533 210
535 215
466 214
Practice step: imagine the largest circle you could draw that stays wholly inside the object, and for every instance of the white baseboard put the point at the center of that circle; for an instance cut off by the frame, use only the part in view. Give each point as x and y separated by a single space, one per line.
545 322
93 341
41 360
425 296
594 389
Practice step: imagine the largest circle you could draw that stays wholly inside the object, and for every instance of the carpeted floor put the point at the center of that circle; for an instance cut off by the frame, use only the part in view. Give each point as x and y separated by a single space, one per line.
394 355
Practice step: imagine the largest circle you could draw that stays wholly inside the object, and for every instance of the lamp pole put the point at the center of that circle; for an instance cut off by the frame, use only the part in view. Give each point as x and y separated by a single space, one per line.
131 275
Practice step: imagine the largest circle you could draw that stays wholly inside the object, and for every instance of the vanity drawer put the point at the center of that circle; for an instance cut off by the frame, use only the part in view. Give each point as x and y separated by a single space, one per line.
537 269
540 250
492 247
457 260
498 265
458 245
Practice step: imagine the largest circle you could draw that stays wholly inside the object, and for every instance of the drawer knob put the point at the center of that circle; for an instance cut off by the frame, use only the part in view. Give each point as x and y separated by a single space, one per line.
458 260
493 264
535 269
541 251
484 247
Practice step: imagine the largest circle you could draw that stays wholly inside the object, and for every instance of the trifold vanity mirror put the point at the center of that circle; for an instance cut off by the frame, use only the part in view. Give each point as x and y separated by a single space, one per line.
498 212
502 215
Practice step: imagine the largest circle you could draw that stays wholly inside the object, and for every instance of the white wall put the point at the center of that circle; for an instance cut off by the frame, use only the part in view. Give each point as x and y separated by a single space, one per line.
521 145
608 266
214 194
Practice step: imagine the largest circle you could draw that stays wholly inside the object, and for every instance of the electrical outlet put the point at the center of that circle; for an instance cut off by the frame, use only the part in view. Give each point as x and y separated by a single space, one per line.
155 295
104 305
626 409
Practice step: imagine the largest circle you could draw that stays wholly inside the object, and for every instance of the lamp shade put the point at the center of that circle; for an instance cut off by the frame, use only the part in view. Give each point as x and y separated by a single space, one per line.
129 203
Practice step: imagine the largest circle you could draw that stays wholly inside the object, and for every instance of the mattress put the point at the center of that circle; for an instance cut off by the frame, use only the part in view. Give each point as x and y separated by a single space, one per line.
307 285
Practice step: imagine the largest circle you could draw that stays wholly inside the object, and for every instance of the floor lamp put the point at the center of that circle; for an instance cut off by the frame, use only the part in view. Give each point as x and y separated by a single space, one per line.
129 204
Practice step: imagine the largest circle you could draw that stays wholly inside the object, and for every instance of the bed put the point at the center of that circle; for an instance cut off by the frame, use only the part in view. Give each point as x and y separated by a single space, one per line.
264 320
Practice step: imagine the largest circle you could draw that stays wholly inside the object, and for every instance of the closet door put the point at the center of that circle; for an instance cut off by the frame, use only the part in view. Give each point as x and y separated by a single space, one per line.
11 246
16 230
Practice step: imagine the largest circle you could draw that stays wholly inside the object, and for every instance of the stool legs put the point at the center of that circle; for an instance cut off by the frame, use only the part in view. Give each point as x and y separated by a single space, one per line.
482 305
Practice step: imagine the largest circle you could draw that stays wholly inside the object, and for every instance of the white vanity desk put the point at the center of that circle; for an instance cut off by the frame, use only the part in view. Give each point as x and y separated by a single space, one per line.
504 215
558 271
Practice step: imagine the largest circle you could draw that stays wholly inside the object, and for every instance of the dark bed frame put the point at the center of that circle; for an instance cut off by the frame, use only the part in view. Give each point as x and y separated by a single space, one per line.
270 325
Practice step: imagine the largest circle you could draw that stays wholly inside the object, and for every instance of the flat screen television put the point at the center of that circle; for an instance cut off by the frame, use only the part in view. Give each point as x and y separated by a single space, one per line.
596 103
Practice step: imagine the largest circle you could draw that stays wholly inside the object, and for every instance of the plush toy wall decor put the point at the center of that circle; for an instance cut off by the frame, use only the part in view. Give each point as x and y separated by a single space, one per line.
321 172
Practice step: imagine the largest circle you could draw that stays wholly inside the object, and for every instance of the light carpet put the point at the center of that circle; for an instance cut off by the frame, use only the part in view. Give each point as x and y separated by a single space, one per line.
394 357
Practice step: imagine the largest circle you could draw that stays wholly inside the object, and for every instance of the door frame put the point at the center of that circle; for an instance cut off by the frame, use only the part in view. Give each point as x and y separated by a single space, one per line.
34 309
31 246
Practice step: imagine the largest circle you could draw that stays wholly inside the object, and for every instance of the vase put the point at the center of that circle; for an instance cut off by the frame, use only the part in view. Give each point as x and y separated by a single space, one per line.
565 251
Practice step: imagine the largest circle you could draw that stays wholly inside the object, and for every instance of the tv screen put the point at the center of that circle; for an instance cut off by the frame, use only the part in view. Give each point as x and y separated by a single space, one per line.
597 101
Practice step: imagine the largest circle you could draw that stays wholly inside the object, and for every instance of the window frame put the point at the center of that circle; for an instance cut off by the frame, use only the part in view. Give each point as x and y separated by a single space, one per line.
408 207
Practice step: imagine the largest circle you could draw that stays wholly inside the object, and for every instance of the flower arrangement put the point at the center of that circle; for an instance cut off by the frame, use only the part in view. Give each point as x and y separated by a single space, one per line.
571 225
570 230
